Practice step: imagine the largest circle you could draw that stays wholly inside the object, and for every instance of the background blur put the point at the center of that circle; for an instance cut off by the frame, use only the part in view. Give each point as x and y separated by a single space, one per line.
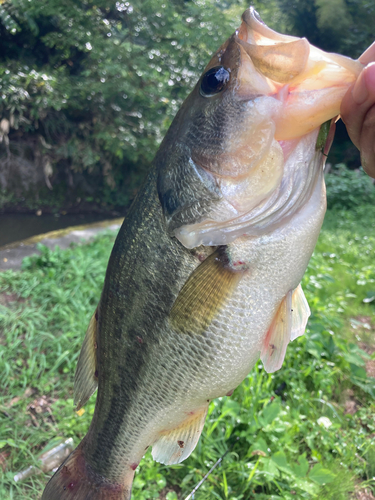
89 88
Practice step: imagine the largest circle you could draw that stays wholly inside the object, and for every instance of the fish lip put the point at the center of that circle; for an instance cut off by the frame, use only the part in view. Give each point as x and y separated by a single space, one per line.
254 22
255 15
264 35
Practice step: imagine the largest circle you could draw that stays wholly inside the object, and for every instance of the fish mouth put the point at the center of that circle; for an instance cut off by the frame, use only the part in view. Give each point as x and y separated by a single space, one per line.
308 82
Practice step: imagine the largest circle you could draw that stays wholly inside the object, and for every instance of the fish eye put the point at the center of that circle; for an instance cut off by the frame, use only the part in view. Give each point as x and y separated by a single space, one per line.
214 81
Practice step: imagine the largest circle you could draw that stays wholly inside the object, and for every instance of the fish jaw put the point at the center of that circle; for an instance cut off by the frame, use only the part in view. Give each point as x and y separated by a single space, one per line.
309 82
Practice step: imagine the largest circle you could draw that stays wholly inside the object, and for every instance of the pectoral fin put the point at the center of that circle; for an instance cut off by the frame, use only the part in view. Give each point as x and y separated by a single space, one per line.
174 446
300 313
204 294
86 377
288 324
278 337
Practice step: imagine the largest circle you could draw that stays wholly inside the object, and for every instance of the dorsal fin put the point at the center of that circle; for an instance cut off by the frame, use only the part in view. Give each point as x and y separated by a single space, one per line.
204 294
86 376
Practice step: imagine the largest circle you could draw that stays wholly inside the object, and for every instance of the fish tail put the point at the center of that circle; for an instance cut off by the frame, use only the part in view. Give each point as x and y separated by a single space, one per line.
76 480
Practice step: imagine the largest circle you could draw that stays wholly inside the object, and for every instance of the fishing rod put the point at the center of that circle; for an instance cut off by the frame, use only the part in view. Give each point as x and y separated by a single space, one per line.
218 462
191 495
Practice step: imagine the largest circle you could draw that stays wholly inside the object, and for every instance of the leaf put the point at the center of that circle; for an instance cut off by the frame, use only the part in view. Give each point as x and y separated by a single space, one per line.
138 483
232 407
302 467
259 445
281 462
353 358
161 481
225 484
270 468
307 486
171 496
320 475
270 412
369 388
187 478
9 442
358 372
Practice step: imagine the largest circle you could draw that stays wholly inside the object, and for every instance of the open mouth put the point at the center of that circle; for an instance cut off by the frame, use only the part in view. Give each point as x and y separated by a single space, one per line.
309 82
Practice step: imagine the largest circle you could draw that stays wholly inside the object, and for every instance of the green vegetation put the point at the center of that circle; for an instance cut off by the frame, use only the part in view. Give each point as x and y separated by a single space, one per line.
344 26
349 189
88 89
305 432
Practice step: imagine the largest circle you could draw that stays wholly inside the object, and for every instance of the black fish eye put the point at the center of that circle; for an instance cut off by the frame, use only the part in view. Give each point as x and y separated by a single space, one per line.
214 81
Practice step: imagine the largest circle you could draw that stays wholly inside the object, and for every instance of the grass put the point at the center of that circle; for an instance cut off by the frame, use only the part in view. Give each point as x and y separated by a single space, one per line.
281 447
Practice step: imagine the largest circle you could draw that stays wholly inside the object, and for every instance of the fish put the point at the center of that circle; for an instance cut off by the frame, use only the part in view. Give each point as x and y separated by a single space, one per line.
204 276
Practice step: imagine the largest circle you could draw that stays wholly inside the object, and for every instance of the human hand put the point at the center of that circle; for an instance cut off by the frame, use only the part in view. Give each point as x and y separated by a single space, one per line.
358 111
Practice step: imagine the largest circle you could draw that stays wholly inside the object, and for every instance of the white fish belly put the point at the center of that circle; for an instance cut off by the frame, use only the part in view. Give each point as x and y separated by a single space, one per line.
277 263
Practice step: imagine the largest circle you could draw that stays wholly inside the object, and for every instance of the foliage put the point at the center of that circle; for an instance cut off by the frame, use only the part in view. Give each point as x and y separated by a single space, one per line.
344 26
287 432
97 84
348 188
89 88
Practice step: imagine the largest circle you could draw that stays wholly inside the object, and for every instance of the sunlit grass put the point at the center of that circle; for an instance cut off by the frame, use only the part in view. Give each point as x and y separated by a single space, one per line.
279 450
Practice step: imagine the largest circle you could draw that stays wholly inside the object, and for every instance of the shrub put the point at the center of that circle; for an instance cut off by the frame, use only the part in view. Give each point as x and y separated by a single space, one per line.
348 188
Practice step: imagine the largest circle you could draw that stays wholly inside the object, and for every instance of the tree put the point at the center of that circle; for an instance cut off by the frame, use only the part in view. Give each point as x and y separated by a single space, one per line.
91 87
344 26
88 89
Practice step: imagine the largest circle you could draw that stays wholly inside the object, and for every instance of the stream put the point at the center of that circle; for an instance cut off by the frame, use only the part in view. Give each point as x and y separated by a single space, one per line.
16 227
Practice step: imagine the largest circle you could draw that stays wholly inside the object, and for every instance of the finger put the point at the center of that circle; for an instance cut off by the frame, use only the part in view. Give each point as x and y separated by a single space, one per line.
357 102
367 143
368 55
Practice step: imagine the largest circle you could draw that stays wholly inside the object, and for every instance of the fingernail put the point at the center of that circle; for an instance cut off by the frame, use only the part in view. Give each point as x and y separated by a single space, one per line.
370 75
360 92
368 55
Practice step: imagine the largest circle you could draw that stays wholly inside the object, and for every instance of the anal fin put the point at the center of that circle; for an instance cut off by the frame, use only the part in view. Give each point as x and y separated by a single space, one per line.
288 324
174 446
86 377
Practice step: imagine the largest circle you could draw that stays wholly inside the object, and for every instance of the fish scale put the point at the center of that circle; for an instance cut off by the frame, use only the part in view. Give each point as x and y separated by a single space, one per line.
205 273
131 357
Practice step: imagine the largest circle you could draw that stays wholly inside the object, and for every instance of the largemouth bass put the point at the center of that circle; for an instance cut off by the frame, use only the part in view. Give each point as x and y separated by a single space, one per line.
205 273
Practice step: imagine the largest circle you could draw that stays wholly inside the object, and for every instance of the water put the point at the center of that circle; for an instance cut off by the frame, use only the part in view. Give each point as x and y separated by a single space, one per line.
16 227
